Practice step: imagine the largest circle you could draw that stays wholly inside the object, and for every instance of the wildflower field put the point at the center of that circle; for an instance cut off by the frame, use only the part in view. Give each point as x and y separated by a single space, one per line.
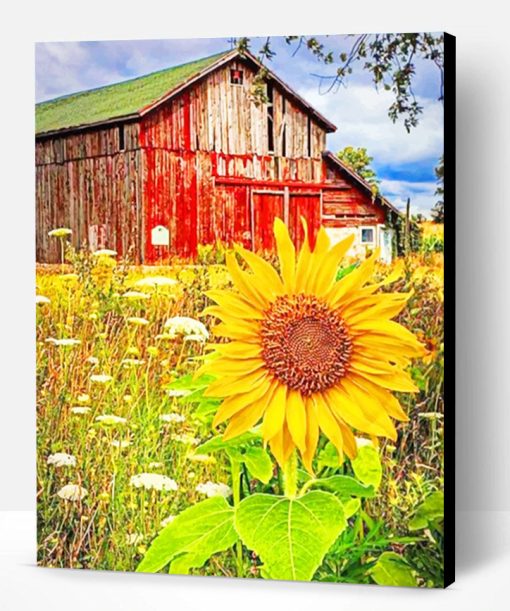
181 407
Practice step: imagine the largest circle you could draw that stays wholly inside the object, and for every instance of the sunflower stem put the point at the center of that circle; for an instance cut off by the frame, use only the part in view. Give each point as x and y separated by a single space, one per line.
290 476
235 469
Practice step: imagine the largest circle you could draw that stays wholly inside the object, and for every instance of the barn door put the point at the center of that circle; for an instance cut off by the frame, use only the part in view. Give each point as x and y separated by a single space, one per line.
307 205
265 207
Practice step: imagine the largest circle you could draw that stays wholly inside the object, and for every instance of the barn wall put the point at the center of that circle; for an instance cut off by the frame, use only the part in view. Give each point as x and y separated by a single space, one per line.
84 182
216 116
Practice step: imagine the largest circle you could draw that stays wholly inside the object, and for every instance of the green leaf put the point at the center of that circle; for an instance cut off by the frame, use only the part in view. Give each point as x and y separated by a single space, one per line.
345 486
351 507
216 444
392 570
367 466
259 463
192 538
342 272
188 382
430 511
328 457
291 536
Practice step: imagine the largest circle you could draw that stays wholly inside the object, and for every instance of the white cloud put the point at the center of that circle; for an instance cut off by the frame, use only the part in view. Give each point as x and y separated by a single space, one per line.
361 115
421 194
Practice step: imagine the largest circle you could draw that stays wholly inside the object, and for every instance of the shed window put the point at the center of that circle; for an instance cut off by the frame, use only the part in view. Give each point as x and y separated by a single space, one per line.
122 138
367 235
236 77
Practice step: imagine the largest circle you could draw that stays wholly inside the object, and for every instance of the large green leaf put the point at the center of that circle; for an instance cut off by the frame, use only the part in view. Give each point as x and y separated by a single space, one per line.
345 486
258 462
392 570
431 511
192 538
367 466
291 536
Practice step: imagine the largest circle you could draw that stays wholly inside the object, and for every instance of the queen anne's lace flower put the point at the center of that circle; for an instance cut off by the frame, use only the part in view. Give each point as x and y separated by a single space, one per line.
153 481
173 417
186 326
110 419
72 492
212 489
61 459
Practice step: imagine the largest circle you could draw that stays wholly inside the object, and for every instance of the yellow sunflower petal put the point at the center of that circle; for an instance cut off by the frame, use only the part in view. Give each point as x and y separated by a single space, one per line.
235 304
329 424
242 333
312 435
295 416
398 381
263 270
286 254
227 366
327 267
242 282
235 403
233 385
352 281
244 420
275 413
303 262
238 350
350 447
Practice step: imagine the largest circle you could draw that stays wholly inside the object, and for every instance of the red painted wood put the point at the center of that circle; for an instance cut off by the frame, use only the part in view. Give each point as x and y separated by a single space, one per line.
266 207
308 207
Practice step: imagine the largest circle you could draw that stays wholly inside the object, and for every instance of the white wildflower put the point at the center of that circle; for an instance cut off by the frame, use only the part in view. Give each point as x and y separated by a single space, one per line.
135 295
178 392
134 538
195 338
41 299
153 481
93 360
363 441
120 443
80 409
105 252
156 281
101 378
211 489
110 419
64 341
155 465
72 492
186 439
83 398
132 362
184 325
173 417
61 459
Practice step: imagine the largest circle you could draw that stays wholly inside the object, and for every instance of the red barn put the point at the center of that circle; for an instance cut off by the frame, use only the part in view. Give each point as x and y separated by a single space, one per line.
154 166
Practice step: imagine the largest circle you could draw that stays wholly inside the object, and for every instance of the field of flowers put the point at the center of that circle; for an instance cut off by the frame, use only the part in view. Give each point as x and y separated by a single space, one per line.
126 442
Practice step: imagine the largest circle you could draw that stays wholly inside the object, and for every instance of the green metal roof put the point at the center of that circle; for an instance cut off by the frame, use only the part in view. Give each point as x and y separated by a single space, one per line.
115 101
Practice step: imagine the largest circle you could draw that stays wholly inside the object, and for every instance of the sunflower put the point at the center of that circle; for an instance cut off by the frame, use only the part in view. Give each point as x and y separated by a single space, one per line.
308 353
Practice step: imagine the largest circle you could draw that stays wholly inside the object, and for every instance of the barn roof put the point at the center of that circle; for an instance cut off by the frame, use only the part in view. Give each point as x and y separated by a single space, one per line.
133 98
334 160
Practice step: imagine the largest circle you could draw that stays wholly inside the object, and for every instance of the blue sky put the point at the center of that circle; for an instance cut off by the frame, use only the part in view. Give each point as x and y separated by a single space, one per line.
404 162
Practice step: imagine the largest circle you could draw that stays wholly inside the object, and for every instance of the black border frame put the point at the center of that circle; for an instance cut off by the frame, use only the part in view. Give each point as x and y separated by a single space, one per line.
449 311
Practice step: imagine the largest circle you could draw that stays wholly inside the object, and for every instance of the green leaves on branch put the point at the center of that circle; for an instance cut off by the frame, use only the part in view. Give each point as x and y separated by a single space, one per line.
192 538
291 536
345 487
393 570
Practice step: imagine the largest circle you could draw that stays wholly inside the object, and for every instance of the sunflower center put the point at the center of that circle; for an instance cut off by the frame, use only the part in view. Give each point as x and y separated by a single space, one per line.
305 344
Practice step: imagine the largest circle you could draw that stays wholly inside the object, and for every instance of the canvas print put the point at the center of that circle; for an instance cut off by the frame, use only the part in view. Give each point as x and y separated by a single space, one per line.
243 367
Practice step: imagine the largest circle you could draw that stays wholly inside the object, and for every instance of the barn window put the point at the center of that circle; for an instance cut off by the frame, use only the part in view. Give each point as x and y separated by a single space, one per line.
367 235
270 116
122 138
236 77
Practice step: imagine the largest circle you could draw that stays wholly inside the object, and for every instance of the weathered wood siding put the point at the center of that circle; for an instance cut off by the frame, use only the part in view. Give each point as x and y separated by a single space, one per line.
84 182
